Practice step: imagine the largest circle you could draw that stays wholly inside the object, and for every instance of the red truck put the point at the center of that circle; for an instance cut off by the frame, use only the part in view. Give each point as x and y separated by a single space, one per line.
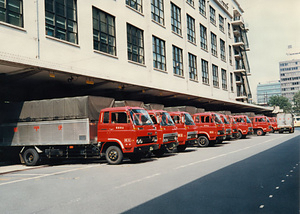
273 122
261 125
167 135
209 127
186 129
227 124
75 127
234 126
244 125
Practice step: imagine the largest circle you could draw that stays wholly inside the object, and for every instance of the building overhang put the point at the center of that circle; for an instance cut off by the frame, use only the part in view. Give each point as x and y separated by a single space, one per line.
19 82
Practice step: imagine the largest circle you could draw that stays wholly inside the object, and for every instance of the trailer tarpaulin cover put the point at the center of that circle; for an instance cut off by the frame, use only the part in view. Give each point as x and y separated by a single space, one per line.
130 103
55 109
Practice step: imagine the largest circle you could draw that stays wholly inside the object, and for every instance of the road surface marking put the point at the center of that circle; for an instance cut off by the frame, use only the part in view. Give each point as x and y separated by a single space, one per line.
138 180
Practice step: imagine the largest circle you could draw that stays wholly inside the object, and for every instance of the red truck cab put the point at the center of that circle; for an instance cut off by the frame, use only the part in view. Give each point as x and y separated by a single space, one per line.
227 124
167 135
261 125
274 125
207 127
233 124
186 129
244 126
126 131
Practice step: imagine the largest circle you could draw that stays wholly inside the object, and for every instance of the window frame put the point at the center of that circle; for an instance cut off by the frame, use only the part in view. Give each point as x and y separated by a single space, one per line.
191 34
57 19
193 74
212 15
158 5
205 71
202 7
176 19
138 45
222 50
136 5
177 58
8 13
214 50
203 37
215 73
224 79
159 53
108 27
221 23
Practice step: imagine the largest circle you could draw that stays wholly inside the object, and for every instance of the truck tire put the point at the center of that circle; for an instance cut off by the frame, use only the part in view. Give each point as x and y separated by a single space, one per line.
31 157
259 132
291 130
239 135
114 155
203 141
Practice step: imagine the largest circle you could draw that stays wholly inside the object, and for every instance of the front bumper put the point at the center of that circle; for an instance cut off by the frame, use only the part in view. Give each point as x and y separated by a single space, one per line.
146 148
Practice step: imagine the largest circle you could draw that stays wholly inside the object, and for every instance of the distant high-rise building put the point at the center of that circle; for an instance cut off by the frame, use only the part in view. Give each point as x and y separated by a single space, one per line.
290 73
267 90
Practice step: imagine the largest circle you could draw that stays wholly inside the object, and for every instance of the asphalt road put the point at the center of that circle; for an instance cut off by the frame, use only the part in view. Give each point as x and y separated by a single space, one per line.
254 175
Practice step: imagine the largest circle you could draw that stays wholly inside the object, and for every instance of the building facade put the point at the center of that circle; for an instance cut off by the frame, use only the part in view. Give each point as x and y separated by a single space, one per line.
195 49
267 90
290 74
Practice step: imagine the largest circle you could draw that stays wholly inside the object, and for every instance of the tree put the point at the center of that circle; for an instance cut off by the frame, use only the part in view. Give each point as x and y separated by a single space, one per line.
280 101
296 100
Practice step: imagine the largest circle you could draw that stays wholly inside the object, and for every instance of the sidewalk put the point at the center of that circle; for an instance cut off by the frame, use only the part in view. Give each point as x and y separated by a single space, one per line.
9 168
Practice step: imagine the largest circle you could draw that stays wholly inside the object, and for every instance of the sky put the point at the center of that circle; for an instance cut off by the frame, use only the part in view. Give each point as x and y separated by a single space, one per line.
273 26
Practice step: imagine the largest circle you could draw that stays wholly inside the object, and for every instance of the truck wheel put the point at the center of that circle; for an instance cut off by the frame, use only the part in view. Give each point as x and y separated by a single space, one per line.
203 141
291 130
31 157
239 135
181 148
272 130
259 132
114 155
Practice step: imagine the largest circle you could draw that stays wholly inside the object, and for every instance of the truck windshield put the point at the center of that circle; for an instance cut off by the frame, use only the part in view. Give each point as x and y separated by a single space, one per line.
218 119
166 119
188 119
248 120
140 117
225 120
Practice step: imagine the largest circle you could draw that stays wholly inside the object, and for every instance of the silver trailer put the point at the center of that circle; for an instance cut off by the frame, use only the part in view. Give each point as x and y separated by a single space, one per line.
64 128
285 122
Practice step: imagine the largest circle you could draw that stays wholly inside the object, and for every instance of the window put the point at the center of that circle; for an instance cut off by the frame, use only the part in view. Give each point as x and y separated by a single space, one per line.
193 67
221 23
214 44
104 32
106 117
222 50
177 61
229 30
191 2
231 82
202 7
157 11
212 15
215 75
159 54
135 4
205 77
230 55
119 117
203 37
135 44
11 11
191 29
61 19
176 19
224 79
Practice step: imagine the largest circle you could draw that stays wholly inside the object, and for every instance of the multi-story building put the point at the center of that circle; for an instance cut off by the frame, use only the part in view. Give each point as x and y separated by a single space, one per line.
156 50
267 90
290 74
